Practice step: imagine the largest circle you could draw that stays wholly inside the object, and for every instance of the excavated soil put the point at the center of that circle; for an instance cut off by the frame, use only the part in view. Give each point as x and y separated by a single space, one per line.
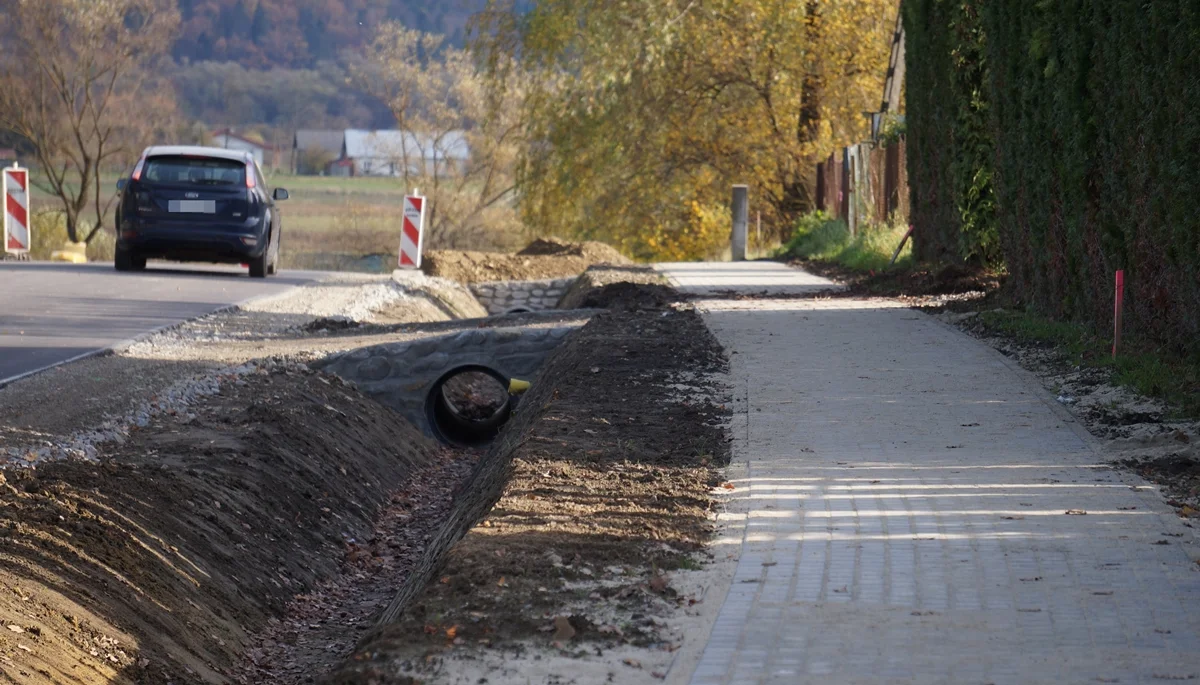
542 259
597 277
919 281
614 455
157 563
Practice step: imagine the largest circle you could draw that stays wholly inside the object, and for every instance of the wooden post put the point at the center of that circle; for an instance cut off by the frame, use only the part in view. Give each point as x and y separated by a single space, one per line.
741 221
820 186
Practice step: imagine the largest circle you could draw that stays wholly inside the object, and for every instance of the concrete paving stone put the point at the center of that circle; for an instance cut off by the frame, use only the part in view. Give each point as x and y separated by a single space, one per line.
886 454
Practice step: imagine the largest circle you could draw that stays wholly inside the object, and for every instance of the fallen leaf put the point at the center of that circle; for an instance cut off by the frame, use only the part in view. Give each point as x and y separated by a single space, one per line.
502 582
1187 511
728 486
660 583
445 580
563 630
634 663
452 632
770 563
431 630
1013 518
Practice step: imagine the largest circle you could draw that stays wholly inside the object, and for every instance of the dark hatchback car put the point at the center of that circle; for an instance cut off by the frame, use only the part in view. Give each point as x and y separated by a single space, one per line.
198 204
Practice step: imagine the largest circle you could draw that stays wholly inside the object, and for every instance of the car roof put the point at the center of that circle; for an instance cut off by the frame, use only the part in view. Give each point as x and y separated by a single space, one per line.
197 151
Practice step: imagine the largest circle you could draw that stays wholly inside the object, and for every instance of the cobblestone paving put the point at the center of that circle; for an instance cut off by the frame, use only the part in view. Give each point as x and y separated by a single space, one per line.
917 510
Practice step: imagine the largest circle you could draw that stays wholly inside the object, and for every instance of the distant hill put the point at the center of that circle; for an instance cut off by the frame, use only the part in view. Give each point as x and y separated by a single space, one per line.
300 33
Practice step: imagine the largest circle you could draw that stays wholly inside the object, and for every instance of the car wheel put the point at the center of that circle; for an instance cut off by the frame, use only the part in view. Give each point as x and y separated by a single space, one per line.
258 265
273 265
128 261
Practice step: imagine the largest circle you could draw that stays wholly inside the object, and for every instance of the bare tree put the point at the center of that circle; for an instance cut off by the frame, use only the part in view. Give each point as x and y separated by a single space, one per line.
71 87
460 135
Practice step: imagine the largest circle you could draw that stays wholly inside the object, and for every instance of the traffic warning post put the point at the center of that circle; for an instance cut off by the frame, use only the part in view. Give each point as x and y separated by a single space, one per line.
16 210
412 234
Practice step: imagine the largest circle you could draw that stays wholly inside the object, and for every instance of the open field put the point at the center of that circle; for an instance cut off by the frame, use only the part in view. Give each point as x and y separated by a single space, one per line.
344 224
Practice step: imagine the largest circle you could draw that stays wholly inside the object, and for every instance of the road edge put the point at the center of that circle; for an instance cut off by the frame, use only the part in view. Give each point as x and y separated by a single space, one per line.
122 345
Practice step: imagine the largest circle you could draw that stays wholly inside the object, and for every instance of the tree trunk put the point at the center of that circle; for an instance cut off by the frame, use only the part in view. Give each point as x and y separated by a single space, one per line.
809 124
797 196
72 219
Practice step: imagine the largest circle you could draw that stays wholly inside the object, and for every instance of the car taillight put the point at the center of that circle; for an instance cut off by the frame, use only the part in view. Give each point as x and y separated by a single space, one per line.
137 170
249 175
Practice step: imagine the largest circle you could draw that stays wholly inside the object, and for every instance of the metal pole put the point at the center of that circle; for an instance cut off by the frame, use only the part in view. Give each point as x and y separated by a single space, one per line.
741 221
758 230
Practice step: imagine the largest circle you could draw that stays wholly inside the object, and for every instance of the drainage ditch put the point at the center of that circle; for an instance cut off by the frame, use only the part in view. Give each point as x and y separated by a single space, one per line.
455 388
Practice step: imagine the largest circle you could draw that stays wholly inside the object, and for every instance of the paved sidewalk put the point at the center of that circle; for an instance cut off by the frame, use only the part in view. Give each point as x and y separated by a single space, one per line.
905 514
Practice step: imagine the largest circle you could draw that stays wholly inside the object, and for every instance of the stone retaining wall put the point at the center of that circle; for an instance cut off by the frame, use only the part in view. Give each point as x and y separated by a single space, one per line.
503 296
400 375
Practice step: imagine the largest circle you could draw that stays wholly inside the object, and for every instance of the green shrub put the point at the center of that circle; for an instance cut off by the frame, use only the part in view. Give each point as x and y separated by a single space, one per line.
103 246
949 142
1095 111
1064 136
820 238
49 235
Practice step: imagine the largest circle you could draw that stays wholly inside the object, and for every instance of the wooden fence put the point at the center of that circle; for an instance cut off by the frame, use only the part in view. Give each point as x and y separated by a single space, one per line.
864 183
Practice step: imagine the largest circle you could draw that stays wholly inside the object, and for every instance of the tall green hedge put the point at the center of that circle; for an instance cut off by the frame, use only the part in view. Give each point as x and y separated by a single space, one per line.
1080 121
949 142
1096 119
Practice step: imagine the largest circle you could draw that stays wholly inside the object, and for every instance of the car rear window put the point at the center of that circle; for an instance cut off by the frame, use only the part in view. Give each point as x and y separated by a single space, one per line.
202 171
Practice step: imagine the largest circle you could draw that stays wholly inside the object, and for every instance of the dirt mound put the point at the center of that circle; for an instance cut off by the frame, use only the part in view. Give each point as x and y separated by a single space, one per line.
923 284
631 296
598 276
155 564
606 481
543 259
557 247
552 246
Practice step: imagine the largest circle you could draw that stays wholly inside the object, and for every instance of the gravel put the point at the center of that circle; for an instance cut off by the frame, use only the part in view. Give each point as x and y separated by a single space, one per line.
207 353
172 401
349 297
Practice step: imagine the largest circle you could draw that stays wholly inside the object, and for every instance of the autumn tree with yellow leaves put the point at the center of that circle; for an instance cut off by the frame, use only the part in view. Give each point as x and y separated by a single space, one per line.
642 115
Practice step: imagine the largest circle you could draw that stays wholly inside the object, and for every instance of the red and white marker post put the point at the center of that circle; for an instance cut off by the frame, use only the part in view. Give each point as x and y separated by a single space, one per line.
412 235
16 210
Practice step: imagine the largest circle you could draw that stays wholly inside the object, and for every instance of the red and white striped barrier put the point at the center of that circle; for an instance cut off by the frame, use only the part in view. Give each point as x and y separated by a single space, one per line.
412 236
16 210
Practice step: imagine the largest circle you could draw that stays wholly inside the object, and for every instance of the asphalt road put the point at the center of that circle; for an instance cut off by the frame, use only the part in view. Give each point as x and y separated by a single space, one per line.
53 313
